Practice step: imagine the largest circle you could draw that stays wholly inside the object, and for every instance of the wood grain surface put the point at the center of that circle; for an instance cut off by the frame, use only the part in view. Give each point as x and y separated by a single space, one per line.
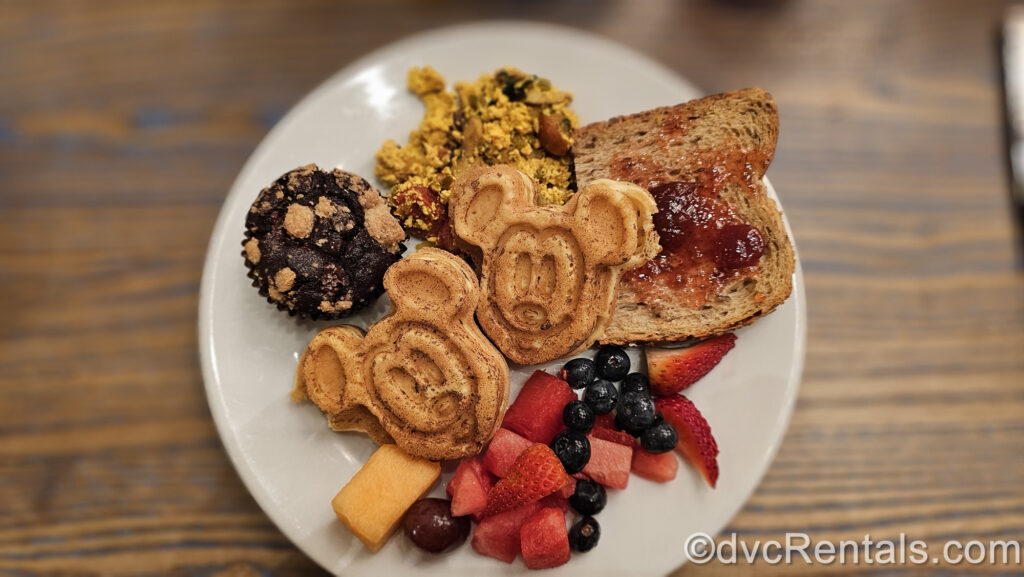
122 125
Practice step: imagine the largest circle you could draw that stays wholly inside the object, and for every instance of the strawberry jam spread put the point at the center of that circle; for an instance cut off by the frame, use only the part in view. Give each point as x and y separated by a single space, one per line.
705 244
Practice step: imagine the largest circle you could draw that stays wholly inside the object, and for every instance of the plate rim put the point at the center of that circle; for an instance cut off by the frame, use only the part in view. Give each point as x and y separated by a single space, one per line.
205 341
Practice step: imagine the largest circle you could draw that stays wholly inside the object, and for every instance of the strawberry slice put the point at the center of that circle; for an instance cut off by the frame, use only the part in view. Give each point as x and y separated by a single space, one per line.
536 473
695 440
672 370
569 488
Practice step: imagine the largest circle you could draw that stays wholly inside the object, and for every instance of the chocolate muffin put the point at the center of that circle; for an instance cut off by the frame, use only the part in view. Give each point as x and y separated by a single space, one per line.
317 243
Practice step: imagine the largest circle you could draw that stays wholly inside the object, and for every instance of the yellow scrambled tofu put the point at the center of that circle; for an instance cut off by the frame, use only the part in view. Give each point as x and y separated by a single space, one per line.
508 117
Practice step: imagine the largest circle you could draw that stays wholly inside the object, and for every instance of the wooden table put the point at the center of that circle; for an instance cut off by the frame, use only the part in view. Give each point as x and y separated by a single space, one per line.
122 125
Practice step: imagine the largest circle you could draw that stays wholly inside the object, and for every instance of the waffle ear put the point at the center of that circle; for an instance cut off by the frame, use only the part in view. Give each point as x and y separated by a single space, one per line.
481 196
429 285
612 221
328 368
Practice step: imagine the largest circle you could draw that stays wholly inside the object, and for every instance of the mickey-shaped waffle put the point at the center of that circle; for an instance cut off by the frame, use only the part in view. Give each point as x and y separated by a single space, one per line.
549 273
424 376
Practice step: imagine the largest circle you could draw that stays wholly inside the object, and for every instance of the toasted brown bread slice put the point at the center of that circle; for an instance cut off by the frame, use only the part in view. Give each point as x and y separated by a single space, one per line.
720 146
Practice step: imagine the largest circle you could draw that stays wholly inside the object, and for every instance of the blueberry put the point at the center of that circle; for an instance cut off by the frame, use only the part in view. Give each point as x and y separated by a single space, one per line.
579 373
612 363
637 432
578 416
635 412
635 382
573 449
623 427
660 438
601 396
589 498
584 534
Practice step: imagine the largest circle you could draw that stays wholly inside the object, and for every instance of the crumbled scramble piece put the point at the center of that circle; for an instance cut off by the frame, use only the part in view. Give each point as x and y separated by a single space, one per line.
503 118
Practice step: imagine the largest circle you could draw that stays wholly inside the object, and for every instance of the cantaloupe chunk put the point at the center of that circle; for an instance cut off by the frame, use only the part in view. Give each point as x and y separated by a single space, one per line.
376 498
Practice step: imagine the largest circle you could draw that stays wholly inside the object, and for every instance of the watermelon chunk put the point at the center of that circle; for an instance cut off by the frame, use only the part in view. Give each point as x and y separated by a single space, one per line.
659 468
537 412
609 463
613 435
606 420
556 500
498 535
545 542
469 487
505 447
605 428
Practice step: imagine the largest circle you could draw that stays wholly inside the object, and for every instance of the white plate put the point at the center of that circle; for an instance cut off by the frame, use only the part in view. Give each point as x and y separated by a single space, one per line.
289 460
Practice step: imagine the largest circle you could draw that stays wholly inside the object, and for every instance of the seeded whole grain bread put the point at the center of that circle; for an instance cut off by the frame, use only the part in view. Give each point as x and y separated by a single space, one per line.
697 141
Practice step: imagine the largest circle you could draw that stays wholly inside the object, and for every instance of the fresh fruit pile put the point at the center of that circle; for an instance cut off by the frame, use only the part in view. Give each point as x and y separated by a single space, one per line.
556 452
